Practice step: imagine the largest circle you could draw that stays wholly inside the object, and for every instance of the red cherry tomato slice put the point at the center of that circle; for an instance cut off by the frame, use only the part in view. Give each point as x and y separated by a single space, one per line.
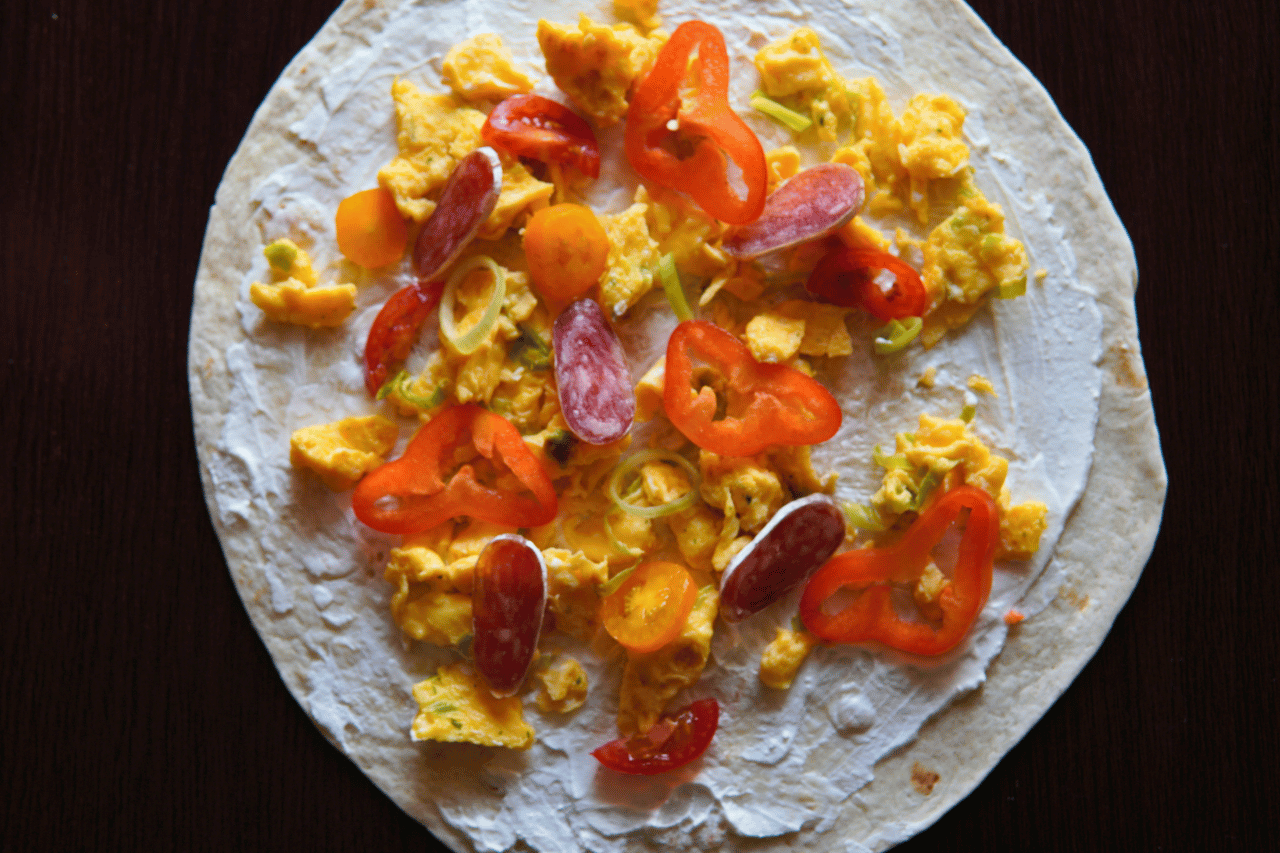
650 607
538 127
673 742
396 328
847 277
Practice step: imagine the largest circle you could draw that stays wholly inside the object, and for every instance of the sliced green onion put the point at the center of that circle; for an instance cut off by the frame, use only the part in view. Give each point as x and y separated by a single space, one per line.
672 287
863 517
469 341
632 464
967 413
776 111
621 546
281 254
610 586
530 350
927 484
897 334
886 461
399 384
1013 289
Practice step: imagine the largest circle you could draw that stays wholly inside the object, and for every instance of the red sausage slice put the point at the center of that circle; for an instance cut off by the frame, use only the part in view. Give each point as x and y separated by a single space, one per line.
591 371
466 201
810 205
508 600
797 540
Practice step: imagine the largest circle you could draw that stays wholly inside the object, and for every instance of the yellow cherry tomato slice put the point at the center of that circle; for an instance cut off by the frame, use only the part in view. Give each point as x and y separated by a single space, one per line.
650 607
567 249
371 231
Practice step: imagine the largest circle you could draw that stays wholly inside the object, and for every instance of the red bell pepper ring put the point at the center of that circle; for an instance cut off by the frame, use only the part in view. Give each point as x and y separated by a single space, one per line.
421 489
538 127
874 572
712 153
846 277
673 742
766 403
396 328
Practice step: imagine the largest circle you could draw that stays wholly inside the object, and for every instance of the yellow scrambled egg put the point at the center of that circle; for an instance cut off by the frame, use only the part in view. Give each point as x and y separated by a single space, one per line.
482 69
945 453
562 686
596 65
781 659
651 680
632 261
797 327
294 297
455 706
795 70
342 452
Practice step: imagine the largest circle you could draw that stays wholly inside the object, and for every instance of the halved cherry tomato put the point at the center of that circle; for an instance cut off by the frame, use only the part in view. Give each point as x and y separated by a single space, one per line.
650 607
673 742
538 127
682 133
426 486
846 276
567 249
371 231
872 573
396 328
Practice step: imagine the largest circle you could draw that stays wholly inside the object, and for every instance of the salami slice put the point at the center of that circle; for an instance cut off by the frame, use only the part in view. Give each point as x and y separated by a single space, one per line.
466 201
508 600
797 540
810 205
591 372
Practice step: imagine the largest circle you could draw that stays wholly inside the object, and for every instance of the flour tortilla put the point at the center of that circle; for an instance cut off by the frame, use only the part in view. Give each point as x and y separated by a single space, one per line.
310 578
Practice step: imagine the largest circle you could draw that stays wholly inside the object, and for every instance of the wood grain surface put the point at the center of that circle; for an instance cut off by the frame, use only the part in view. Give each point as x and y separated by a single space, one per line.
138 709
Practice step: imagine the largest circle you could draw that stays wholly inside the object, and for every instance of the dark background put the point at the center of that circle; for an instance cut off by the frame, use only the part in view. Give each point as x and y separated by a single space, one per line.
139 710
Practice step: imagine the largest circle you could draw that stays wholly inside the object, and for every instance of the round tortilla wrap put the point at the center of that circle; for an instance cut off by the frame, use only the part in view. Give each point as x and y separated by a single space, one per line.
864 750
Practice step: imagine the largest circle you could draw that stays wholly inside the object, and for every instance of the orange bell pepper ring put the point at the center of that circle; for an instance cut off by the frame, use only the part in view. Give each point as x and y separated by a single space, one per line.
427 486
764 404
711 153
873 574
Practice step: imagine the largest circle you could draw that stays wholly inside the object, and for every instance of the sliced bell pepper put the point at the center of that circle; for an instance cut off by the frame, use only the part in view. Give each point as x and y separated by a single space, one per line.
538 127
846 276
426 486
396 328
711 153
673 742
873 573
765 404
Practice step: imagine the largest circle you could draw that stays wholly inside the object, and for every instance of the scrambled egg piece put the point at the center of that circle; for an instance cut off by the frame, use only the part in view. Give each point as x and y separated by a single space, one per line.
781 659
433 132
931 147
454 706
481 68
981 385
643 12
650 680
943 454
795 67
432 597
685 231
965 258
649 390
293 296
291 301
797 327
343 451
596 65
632 261
782 163
562 687
573 581
744 483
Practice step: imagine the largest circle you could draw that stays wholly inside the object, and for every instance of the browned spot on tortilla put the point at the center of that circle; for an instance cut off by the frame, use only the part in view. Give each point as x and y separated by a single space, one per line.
923 779
1126 366
1073 597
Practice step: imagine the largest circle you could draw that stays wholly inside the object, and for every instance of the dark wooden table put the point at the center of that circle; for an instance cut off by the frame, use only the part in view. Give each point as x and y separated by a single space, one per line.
138 709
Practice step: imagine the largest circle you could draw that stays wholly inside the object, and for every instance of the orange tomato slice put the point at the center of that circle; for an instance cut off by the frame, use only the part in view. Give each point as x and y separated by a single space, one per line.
650 607
371 231
567 249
